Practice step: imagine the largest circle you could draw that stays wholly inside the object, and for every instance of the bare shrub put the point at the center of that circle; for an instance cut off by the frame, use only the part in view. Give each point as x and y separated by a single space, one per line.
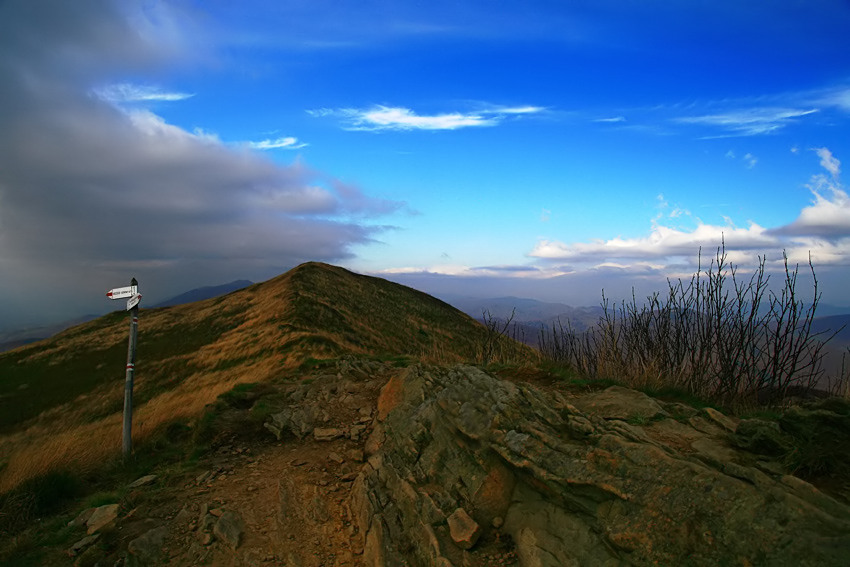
503 341
718 335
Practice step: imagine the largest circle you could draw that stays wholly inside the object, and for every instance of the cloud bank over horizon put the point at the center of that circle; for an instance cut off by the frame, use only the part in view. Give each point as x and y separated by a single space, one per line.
95 186
821 233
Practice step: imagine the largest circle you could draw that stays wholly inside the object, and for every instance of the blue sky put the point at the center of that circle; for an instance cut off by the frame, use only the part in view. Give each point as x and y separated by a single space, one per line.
539 149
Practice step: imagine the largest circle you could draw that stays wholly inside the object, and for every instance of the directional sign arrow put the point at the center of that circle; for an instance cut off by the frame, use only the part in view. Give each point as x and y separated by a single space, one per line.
122 292
133 301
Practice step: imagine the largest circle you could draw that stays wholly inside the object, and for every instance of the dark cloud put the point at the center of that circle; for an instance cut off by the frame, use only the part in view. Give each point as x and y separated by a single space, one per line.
91 194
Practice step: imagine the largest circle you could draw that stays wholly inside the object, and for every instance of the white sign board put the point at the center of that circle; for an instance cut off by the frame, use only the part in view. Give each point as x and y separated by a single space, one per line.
122 292
133 301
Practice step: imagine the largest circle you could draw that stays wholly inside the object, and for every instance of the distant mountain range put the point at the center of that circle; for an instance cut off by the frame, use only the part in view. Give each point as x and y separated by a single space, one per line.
201 293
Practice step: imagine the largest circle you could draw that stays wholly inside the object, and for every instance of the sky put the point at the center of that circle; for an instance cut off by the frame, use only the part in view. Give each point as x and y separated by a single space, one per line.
544 149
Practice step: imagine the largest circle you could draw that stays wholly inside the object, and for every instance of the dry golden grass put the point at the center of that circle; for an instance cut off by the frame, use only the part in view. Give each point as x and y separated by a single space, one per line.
191 354
81 447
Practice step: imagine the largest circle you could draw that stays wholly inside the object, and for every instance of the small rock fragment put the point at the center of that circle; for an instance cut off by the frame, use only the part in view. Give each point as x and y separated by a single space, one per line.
463 529
81 545
327 433
144 481
82 518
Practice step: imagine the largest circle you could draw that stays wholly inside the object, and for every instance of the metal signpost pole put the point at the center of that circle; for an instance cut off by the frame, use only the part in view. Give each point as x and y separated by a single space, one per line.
127 443
133 297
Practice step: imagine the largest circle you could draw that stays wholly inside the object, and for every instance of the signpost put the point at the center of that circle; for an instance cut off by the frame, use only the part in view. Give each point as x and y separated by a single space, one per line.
134 297
122 292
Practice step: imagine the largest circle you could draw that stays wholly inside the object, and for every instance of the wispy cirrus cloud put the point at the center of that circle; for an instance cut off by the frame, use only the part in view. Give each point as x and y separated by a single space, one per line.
748 121
128 92
392 118
285 143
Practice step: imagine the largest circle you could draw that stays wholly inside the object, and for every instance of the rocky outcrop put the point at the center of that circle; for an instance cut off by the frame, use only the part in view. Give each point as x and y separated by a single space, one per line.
459 461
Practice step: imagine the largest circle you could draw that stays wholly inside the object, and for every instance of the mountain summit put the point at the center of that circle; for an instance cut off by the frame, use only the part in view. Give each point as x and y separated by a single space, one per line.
189 354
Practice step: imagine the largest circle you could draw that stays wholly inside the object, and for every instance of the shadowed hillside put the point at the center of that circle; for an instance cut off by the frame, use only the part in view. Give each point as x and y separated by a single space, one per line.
68 390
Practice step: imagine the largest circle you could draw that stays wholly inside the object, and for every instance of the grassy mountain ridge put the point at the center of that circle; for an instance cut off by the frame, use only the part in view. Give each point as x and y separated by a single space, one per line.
61 399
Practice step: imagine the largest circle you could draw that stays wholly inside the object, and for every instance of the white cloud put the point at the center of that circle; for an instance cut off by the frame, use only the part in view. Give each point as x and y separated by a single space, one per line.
822 229
516 110
613 119
751 121
286 142
662 242
128 92
750 160
839 98
459 270
827 219
380 117
829 162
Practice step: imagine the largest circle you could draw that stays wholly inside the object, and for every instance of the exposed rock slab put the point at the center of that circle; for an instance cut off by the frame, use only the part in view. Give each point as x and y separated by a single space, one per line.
572 488
617 402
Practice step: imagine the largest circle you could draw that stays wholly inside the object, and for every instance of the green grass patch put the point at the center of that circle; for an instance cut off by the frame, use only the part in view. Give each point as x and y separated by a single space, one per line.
670 394
30 386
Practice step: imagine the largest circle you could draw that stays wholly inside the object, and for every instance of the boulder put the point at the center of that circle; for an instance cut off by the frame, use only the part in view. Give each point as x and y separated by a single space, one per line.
102 517
571 487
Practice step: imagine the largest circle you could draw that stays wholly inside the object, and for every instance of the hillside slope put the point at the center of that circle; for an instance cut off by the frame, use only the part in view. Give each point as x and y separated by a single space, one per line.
58 395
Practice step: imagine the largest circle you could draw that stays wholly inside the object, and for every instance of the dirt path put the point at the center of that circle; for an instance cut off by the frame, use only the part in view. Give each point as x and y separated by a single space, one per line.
291 499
